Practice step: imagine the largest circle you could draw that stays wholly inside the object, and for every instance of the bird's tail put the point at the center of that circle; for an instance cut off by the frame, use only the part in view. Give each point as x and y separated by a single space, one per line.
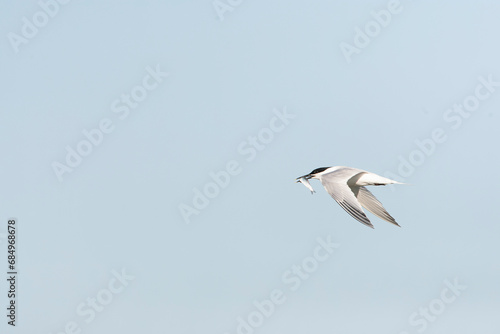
371 179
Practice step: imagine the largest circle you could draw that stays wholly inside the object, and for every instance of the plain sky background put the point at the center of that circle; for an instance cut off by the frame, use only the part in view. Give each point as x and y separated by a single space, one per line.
119 209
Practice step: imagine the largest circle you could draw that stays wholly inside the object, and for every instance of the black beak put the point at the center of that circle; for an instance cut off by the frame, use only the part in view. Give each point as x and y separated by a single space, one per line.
307 177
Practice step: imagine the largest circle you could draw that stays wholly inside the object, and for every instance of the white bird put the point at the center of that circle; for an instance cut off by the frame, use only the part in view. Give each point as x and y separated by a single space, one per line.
347 186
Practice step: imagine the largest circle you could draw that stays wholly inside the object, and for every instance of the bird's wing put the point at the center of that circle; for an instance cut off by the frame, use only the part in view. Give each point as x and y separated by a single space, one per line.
335 184
369 202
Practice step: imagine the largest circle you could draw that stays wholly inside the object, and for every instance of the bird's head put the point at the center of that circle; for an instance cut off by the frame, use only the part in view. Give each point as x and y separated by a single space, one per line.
312 174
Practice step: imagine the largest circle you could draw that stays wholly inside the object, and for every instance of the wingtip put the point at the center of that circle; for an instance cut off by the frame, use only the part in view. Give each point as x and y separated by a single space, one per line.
369 224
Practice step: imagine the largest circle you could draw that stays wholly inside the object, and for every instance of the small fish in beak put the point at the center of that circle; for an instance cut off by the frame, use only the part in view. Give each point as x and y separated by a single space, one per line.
305 181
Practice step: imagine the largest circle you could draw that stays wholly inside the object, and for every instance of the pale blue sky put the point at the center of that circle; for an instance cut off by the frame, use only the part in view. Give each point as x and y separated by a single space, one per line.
119 208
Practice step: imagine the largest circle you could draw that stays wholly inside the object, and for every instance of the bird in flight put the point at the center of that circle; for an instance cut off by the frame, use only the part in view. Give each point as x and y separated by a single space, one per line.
347 187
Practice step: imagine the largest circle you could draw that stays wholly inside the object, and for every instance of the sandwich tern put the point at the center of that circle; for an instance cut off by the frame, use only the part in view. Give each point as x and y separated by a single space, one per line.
347 187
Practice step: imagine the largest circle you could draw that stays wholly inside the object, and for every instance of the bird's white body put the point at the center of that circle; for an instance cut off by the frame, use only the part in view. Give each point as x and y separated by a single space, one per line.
356 177
347 187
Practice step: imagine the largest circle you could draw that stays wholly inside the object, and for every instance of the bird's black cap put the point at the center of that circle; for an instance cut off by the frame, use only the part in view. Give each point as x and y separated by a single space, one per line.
319 170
